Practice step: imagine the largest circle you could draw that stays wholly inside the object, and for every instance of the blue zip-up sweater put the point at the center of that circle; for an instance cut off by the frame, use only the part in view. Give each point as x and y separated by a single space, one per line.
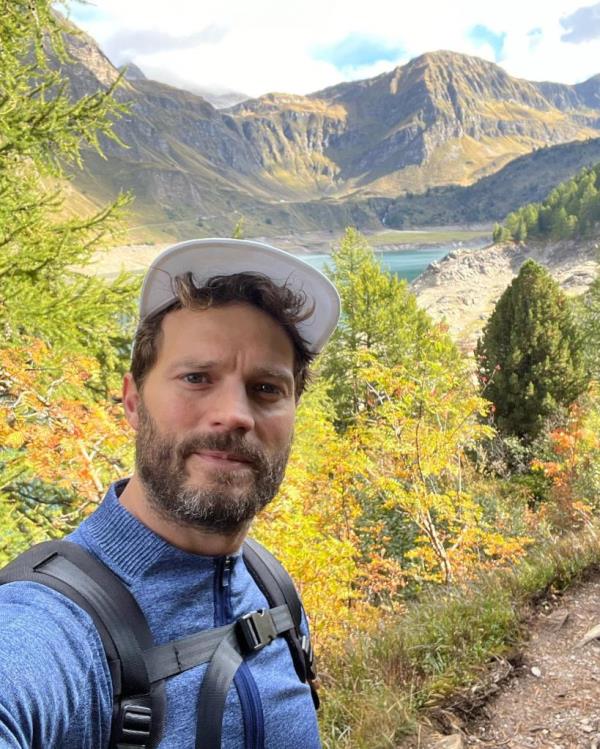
55 687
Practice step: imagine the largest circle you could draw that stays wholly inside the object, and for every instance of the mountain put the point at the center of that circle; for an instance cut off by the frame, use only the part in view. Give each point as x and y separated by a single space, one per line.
132 72
526 179
442 118
290 162
220 98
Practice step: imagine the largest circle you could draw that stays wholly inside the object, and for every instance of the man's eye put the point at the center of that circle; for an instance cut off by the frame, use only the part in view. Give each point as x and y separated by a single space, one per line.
196 378
267 388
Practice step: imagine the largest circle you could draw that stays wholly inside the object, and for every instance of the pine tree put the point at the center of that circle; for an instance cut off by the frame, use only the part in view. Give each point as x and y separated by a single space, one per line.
560 225
530 359
521 231
571 209
589 316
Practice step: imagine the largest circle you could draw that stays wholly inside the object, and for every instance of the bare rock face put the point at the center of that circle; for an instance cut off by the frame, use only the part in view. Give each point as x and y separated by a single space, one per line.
441 119
463 287
441 101
292 134
90 69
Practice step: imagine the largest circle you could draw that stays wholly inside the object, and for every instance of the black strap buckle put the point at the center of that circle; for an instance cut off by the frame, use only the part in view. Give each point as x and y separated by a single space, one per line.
309 657
257 629
136 725
311 669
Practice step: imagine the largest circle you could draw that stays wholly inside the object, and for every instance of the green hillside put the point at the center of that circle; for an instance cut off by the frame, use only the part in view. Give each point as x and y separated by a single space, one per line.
572 209
525 180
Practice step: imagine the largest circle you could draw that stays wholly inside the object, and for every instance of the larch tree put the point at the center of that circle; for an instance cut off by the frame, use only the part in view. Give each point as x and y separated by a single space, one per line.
64 331
379 315
43 127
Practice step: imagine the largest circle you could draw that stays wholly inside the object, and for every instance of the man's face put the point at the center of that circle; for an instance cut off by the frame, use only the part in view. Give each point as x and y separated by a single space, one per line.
215 416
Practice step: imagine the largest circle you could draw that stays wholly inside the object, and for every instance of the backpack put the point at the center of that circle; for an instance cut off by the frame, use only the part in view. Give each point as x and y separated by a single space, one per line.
139 668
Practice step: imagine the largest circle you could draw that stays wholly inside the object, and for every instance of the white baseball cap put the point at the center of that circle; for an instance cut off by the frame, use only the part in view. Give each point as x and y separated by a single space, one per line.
205 258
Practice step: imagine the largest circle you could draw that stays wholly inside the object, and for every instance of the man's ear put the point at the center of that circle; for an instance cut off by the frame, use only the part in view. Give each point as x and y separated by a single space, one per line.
131 400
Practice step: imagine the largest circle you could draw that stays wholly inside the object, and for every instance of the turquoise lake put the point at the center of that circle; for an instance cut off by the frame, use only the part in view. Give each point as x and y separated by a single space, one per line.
406 263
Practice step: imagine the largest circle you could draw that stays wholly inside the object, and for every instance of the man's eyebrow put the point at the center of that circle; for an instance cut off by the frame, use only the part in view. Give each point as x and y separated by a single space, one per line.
193 364
276 373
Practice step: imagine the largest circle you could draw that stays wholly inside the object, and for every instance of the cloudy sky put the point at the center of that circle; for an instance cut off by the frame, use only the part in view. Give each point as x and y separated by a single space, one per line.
257 46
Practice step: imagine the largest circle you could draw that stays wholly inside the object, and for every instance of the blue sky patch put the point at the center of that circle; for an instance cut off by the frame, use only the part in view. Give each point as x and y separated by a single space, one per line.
482 35
79 13
583 25
357 51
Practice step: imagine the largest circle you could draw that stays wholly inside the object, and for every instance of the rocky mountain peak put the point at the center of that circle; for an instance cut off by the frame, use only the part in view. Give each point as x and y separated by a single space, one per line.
90 65
132 72
467 81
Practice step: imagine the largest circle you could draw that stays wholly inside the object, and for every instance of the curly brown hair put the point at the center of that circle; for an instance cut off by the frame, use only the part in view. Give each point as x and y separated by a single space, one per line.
283 304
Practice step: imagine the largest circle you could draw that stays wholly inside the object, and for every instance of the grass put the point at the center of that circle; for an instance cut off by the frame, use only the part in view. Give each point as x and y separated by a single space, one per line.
427 237
381 690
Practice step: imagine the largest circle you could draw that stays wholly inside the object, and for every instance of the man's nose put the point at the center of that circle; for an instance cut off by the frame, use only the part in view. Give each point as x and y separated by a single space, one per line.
231 410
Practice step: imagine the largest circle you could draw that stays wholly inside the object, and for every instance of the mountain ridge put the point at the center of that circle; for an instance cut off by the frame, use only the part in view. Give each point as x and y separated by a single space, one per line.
439 120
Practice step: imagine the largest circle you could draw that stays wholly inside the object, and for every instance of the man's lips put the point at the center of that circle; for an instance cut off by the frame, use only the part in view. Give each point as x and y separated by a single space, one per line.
224 459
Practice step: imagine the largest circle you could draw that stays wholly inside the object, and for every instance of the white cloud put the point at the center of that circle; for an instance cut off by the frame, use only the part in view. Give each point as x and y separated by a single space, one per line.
270 44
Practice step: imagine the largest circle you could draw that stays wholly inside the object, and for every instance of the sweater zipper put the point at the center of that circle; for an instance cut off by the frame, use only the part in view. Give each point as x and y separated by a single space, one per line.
246 687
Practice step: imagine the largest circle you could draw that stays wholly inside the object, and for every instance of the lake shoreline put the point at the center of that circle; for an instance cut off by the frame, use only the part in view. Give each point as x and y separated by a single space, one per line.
317 245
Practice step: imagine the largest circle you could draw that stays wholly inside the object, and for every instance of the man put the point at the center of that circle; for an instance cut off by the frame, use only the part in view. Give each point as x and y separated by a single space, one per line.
227 331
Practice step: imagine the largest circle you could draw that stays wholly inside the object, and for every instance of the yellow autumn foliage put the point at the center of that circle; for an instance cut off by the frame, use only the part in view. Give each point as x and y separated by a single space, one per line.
59 446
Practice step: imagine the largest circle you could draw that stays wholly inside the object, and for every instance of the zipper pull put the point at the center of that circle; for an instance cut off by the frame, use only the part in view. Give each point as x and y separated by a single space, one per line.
226 574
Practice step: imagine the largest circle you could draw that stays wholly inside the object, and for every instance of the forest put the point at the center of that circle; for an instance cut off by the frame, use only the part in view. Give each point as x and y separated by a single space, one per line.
429 495
571 210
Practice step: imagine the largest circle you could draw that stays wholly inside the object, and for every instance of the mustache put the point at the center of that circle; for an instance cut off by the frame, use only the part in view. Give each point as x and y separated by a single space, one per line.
231 443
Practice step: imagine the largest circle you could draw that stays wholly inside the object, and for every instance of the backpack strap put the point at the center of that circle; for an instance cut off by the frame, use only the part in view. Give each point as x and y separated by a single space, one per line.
278 588
138 667
223 648
248 634
139 706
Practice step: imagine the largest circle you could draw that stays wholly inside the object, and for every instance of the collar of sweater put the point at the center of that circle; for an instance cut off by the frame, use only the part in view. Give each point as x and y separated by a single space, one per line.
114 534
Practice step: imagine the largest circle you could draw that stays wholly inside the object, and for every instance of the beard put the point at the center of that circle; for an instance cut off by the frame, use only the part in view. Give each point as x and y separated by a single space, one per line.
228 500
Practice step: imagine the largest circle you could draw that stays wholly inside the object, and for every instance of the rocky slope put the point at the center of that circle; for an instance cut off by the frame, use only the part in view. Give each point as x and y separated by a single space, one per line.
463 288
442 118
289 161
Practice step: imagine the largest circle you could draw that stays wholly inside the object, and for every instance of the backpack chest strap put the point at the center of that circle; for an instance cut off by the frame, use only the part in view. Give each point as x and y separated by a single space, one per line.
248 634
223 649
138 667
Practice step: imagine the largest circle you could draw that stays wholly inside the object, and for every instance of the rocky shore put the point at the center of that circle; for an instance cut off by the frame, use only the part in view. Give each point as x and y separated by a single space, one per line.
463 287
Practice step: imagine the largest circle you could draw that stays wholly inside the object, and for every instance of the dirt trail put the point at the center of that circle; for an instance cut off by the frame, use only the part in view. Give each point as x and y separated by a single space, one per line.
551 700
554 699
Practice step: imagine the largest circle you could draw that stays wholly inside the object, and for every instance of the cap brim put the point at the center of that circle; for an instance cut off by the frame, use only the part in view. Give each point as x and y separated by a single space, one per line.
206 258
